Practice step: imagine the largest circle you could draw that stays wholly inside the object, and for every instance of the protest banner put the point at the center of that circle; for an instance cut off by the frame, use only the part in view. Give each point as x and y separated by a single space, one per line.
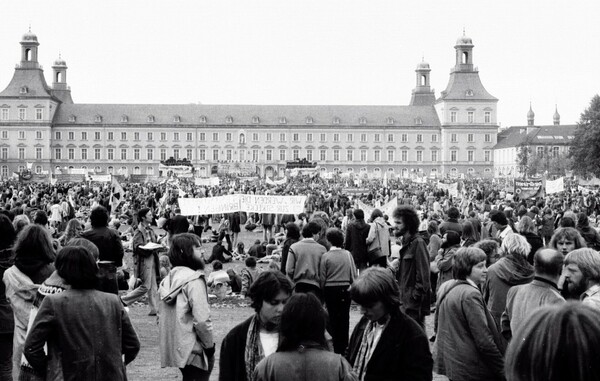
272 204
242 202
209 205
529 188
451 188
208 182
99 178
555 186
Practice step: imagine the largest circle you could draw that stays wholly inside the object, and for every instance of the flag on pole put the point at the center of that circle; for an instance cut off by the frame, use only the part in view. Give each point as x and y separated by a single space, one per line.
29 166
116 194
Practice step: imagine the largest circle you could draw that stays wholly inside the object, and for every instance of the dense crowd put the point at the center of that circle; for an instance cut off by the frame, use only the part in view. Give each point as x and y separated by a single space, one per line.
513 284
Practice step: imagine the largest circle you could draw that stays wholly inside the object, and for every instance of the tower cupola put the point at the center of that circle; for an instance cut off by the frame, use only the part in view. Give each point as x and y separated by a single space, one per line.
464 54
422 95
556 117
530 116
59 78
29 51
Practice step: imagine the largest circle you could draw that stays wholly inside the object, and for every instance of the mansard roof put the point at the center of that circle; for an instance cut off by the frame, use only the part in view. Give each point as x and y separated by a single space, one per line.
460 82
33 79
242 115
536 135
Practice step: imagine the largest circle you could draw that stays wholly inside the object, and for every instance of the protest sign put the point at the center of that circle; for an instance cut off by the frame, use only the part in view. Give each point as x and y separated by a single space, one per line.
99 178
528 188
209 205
210 182
555 186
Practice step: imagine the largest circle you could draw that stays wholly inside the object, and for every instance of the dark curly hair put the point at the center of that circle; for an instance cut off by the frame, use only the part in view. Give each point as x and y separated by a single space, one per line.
409 218
266 287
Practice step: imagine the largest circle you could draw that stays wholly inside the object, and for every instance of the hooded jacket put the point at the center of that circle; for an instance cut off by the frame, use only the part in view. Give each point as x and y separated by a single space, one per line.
379 231
185 336
501 276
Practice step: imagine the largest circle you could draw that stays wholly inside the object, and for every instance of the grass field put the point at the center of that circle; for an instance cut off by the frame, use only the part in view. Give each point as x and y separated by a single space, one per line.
225 315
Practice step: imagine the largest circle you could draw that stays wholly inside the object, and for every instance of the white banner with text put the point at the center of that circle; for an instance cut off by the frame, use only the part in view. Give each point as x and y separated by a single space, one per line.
242 202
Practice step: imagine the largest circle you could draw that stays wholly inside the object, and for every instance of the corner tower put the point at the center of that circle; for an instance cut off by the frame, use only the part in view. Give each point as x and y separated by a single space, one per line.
468 114
423 94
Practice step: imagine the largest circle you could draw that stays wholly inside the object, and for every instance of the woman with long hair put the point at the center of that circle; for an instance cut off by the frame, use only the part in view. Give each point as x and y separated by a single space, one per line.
292 235
527 229
73 230
7 325
444 259
469 236
302 353
33 264
469 346
76 318
186 338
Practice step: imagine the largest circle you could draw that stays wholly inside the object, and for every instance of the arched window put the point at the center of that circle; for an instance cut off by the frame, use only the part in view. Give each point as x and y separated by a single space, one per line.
423 80
136 170
27 54
59 76
242 139
465 57
111 170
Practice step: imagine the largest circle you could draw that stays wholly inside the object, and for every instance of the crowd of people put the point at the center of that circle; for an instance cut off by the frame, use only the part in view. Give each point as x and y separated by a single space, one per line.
513 285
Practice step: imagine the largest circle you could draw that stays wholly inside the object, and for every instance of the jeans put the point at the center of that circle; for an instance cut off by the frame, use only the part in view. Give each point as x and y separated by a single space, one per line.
226 236
147 273
337 300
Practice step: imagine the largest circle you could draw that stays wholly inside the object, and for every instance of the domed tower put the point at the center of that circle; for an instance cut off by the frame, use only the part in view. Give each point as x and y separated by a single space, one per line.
422 94
29 51
59 82
530 116
556 117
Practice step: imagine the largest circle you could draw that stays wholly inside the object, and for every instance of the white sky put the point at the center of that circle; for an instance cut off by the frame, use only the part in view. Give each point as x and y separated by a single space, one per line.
322 52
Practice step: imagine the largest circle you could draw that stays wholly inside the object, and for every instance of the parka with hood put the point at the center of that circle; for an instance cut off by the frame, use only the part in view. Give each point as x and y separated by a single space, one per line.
185 336
380 230
509 271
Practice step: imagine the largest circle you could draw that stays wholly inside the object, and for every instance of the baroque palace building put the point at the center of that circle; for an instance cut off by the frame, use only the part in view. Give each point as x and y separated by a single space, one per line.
41 127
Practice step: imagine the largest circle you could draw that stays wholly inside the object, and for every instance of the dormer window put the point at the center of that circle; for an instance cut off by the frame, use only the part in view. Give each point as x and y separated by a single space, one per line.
363 120
229 119
255 120
469 93
124 119
418 121
23 90
282 120
150 119
389 120
176 119
98 119
309 120
72 119
202 119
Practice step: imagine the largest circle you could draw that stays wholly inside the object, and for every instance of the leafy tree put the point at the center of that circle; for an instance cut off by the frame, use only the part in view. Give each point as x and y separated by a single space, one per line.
524 158
585 149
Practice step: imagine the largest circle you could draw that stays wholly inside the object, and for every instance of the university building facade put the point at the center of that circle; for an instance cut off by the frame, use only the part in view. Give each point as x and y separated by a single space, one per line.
41 127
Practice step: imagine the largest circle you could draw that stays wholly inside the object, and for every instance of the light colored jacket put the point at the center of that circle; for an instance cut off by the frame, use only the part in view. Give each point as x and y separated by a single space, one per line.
185 325
379 230
20 291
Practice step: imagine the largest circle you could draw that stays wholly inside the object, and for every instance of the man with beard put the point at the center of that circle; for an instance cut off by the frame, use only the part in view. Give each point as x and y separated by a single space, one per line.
582 276
257 337
413 270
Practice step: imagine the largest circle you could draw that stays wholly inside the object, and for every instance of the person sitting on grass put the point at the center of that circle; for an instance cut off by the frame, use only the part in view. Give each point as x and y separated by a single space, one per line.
249 275
218 280
257 250
220 253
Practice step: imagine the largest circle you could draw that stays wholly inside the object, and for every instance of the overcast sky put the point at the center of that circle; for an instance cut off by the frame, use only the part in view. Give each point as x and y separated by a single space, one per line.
322 52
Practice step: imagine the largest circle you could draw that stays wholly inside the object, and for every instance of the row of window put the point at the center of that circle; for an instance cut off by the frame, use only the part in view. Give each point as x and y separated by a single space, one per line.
21 113
189 136
255 120
487 117
253 155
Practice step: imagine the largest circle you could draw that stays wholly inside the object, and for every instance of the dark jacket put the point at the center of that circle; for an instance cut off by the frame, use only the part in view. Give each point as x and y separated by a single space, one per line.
536 243
232 366
451 224
413 275
77 319
469 345
285 251
402 352
108 242
356 241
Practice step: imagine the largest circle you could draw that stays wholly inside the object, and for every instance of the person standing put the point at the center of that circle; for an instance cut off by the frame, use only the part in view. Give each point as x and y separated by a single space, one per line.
91 327
386 344
185 330
302 353
258 336
413 271
337 273
110 247
304 260
146 263
378 240
522 300
356 239
7 324
469 346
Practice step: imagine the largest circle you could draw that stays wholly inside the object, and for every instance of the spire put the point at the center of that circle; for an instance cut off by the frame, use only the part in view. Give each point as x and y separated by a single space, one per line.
556 117
530 116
